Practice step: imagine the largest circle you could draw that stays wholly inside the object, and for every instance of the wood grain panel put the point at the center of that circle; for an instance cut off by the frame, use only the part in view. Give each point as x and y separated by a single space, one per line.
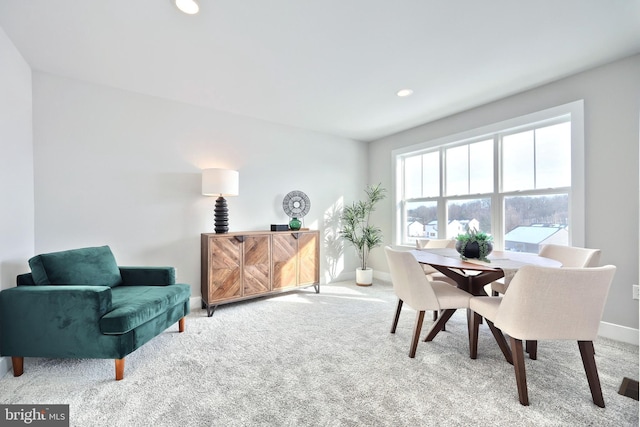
257 265
309 258
224 283
285 247
224 252
256 279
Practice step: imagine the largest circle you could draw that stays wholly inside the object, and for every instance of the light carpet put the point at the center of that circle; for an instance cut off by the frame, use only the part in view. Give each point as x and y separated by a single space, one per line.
328 359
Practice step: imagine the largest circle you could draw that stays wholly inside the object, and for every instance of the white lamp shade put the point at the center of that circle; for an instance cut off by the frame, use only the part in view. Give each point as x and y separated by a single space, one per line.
220 182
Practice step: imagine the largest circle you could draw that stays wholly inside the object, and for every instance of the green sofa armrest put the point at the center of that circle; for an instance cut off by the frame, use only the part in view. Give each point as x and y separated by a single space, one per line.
25 279
148 276
51 321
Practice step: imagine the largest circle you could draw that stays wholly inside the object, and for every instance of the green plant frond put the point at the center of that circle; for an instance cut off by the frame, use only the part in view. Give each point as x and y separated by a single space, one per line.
375 193
355 223
474 236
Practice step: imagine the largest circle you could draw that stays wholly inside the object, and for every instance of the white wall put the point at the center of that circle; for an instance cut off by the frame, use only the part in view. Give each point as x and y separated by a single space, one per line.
123 169
611 96
16 167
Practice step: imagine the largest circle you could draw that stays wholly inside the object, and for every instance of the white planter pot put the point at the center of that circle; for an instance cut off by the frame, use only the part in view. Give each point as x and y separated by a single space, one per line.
364 277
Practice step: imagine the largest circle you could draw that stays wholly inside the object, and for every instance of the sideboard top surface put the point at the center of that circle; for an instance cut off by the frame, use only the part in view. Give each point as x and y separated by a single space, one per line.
255 232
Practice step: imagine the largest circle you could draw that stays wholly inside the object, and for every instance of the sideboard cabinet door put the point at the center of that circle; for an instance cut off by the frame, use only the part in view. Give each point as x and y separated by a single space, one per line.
296 259
285 260
256 266
222 274
308 258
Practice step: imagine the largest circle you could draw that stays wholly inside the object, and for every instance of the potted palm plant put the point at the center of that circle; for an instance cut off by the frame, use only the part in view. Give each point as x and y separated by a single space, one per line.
357 230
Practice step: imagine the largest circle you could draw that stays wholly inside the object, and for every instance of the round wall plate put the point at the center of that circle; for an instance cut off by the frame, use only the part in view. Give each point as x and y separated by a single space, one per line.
296 204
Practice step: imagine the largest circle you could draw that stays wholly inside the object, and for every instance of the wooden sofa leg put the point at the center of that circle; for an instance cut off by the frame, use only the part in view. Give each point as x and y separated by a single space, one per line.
119 369
181 325
18 365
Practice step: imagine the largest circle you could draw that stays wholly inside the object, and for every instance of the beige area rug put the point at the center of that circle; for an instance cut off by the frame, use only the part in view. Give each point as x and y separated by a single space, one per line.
328 359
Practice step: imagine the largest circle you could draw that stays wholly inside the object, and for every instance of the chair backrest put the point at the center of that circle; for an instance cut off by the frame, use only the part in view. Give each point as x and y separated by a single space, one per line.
571 256
435 243
409 281
555 303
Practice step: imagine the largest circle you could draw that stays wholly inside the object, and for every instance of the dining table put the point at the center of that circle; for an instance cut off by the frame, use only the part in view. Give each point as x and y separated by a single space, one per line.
472 275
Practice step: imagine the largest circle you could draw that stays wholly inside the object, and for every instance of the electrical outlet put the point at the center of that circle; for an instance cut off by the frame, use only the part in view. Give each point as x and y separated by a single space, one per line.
636 291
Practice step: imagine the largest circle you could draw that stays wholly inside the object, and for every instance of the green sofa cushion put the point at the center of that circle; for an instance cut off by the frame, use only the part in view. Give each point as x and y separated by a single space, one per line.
133 306
86 266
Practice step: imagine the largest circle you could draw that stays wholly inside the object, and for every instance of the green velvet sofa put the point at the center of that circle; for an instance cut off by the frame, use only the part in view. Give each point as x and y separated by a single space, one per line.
81 304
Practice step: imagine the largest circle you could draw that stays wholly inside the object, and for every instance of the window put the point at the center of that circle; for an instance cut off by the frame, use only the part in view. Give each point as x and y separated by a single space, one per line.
519 180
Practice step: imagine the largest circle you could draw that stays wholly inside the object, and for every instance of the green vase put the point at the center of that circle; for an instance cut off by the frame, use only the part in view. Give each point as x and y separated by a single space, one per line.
295 224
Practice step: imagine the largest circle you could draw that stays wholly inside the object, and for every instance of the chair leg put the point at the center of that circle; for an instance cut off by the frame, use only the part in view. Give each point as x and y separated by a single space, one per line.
521 375
587 352
473 334
18 365
531 347
444 317
181 325
395 320
119 369
435 318
416 333
502 342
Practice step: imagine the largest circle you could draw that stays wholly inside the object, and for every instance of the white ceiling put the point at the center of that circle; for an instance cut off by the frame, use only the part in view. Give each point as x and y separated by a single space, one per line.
331 66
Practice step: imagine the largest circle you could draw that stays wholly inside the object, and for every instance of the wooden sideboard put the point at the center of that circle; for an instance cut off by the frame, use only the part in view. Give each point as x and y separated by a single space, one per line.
243 265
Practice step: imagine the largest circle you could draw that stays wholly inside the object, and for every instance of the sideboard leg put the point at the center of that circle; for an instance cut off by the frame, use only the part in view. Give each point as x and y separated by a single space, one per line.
210 310
210 307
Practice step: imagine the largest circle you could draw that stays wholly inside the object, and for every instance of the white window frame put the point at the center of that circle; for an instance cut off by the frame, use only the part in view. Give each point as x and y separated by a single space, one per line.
575 110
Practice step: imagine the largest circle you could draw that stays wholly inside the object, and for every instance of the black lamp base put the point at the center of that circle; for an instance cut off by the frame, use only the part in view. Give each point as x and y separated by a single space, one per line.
221 215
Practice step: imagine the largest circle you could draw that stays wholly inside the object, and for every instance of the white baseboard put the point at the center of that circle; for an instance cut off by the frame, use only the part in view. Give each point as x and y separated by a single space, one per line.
618 333
382 276
195 303
5 366
344 276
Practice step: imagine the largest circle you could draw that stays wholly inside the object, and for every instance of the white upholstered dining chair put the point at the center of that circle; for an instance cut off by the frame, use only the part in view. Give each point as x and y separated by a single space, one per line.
431 272
412 287
435 243
568 256
542 304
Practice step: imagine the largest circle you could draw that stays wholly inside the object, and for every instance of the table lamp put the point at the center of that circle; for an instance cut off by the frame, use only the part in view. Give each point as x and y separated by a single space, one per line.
221 183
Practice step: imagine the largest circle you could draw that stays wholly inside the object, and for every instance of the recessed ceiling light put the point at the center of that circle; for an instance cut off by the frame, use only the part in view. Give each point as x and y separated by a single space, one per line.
189 7
404 92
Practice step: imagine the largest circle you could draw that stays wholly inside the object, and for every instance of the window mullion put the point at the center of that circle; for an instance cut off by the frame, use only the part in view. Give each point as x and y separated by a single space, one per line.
535 161
442 203
497 202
